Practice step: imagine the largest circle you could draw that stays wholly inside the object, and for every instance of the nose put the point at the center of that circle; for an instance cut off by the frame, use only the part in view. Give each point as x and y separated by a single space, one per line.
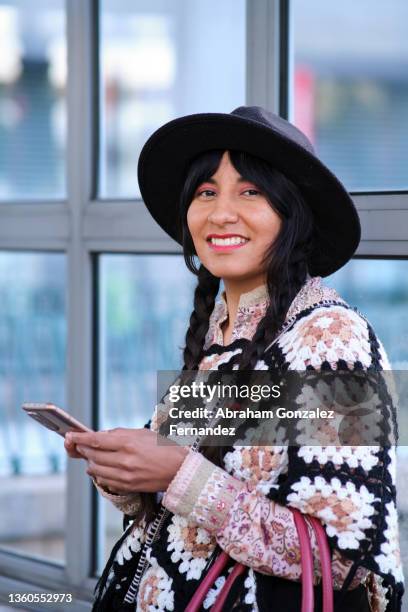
223 211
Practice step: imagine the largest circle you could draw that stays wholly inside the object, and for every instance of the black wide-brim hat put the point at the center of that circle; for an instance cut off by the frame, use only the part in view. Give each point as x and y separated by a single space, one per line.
167 154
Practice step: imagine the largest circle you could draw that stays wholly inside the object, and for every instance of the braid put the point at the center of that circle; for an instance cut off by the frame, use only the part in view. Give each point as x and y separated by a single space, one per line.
204 300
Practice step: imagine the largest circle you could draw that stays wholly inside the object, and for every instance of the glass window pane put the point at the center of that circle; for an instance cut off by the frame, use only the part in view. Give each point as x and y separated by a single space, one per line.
160 60
32 99
377 288
32 369
351 88
145 304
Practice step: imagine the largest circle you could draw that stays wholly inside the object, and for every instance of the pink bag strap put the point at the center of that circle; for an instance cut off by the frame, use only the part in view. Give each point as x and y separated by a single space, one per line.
306 561
325 563
237 570
212 575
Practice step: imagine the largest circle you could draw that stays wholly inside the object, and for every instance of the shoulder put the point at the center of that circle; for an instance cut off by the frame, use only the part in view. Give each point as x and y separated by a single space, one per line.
331 333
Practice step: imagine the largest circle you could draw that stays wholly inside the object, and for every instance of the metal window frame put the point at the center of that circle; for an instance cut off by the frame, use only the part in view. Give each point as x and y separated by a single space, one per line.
81 226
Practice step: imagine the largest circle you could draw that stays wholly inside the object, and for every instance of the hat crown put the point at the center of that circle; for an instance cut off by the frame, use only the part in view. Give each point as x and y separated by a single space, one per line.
275 122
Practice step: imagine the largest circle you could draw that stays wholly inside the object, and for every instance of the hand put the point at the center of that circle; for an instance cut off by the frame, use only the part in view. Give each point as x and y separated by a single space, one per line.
127 460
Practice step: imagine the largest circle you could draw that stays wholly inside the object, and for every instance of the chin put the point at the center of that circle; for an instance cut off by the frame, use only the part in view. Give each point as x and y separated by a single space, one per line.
228 272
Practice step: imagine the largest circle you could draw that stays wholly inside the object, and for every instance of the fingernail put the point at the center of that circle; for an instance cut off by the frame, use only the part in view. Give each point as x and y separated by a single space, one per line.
68 437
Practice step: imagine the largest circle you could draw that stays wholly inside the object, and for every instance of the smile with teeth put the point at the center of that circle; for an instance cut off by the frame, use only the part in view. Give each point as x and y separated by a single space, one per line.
235 241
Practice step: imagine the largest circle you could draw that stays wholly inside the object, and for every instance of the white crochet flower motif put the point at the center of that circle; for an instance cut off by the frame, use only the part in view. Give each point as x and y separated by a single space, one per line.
250 597
324 322
261 365
131 544
389 560
354 507
312 397
157 577
190 565
353 456
227 356
233 463
213 593
392 467
293 346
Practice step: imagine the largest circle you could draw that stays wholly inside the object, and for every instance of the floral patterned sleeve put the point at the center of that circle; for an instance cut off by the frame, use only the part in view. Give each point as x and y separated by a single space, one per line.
251 528
128 504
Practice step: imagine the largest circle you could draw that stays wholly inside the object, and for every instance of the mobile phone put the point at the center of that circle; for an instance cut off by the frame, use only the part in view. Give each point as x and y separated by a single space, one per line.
54 418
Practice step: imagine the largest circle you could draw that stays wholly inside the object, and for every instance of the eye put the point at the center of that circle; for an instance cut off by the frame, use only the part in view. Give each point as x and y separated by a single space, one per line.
252 192
207 193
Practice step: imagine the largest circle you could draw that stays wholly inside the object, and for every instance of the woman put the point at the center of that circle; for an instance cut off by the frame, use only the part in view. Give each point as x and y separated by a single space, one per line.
246 194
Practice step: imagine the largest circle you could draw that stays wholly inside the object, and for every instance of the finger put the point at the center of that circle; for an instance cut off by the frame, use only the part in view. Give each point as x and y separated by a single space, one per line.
75 455
68 443
101 457
72 450
106 473
104 440
112 486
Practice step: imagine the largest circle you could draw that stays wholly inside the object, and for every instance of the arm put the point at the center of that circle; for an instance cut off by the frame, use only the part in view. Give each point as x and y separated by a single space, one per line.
251 528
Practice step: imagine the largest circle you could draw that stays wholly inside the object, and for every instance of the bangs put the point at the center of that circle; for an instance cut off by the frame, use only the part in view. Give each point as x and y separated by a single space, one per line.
201 169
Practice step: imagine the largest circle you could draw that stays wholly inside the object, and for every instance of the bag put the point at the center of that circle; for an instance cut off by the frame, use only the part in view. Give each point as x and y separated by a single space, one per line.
306 565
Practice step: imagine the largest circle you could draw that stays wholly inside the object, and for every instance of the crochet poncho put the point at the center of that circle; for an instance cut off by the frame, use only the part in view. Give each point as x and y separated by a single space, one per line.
241 507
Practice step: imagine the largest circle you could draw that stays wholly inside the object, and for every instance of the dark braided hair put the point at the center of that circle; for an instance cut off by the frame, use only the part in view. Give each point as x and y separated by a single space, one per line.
285 264
204 300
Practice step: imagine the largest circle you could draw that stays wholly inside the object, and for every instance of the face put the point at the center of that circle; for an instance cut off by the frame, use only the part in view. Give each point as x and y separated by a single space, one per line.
232 225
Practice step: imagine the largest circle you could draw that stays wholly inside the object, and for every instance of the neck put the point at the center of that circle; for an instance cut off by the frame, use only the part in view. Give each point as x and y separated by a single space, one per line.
233 292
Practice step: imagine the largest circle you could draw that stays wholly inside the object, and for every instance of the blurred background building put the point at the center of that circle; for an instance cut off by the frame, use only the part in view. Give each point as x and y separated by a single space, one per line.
94 299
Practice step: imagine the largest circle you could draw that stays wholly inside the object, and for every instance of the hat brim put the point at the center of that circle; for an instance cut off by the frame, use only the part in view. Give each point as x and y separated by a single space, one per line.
165 158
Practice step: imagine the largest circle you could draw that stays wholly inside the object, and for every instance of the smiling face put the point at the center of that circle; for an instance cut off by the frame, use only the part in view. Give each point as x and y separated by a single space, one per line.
232 225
